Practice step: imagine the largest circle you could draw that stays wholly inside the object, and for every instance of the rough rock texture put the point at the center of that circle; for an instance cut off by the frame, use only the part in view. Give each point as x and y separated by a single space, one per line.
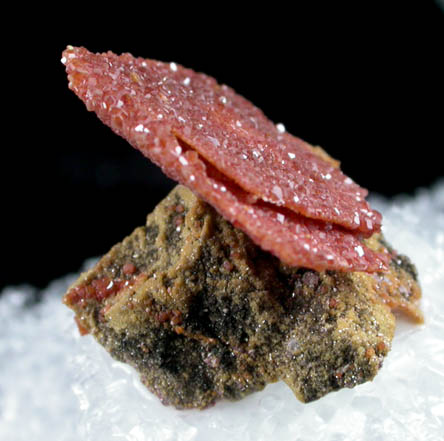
203 313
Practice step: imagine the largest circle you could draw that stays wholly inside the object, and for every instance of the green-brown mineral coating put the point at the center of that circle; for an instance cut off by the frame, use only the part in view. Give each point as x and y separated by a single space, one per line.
203 314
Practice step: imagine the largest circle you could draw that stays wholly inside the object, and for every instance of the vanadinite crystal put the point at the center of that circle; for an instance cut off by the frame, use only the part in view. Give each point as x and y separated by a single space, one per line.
289 197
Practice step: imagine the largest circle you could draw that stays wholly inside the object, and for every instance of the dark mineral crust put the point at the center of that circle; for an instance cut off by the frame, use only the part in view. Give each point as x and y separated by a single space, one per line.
204 314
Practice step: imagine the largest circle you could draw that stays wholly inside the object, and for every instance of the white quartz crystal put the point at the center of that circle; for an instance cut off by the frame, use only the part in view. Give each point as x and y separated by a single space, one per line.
55 385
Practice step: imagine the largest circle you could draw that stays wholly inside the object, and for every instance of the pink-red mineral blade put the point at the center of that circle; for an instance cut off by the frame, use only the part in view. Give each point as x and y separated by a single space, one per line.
269 184
226 130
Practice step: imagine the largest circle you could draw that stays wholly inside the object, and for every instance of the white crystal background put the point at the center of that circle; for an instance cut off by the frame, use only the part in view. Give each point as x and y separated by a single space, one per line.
55 385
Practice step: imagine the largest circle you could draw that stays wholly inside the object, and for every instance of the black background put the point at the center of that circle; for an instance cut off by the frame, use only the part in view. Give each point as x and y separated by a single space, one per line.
365 81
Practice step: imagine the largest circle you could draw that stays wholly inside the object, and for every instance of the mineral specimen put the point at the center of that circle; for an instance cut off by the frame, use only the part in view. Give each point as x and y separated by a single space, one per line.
290 198
205 314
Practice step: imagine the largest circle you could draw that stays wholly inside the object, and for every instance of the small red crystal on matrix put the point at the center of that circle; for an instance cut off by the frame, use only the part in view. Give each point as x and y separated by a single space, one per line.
98 289
272 185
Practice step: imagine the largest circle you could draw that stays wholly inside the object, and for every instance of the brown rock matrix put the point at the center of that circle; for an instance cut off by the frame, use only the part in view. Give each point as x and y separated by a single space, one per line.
204 314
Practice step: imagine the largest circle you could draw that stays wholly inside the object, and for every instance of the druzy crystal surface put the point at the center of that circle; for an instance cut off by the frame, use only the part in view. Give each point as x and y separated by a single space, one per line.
289 197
